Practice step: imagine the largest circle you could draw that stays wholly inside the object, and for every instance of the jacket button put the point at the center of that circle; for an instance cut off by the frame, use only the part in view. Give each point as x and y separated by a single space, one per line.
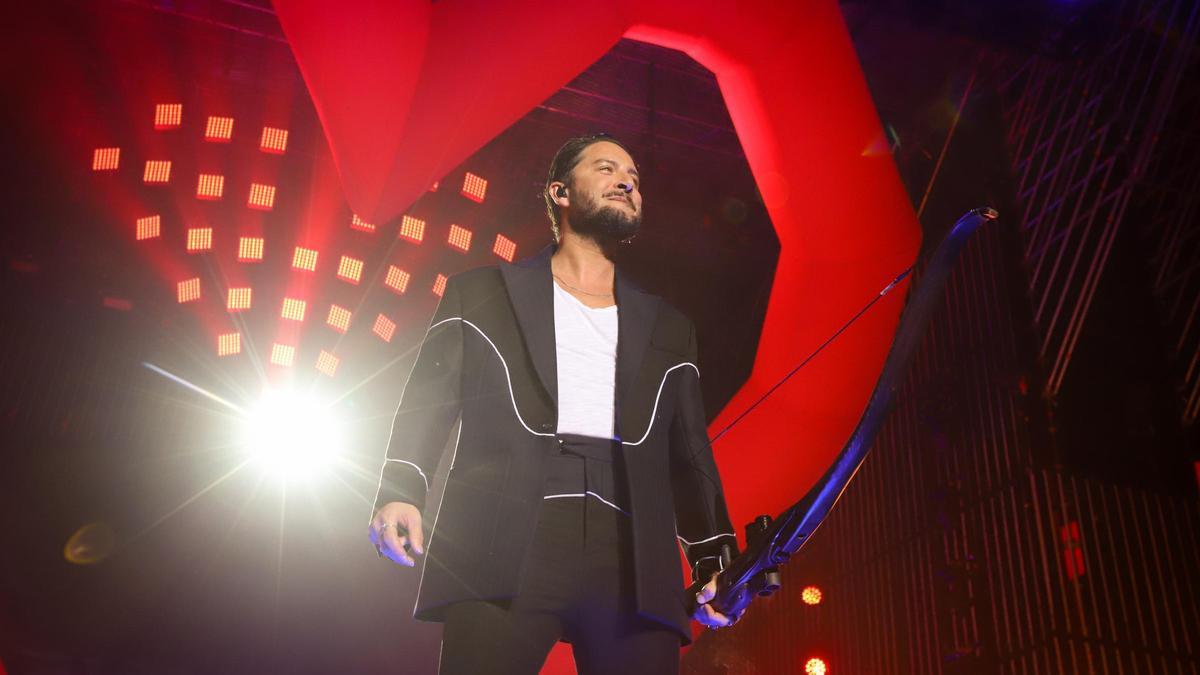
546 426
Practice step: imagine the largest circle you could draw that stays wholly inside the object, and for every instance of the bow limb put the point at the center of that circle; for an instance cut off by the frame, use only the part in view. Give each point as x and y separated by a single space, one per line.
753 572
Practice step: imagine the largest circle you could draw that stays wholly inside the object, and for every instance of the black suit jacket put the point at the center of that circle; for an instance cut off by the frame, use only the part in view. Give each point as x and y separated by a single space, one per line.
489 359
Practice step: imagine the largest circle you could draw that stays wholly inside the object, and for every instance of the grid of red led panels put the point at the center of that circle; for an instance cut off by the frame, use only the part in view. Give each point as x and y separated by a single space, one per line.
460 238
412 229
168 115
396 279
229 343
384 327
210 186
283 355
327 363
339 318
188 290
250 249
157 172
293 309
262 197
199 239
239 299
106 159
273 140
304 259
350 269
361 225
474 187
149 227
218 129
504 247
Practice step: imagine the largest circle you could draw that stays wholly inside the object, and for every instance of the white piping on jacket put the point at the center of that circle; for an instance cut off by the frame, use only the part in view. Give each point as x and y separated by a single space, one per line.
693 543
513 398
585 494
657 396
503 362
402 461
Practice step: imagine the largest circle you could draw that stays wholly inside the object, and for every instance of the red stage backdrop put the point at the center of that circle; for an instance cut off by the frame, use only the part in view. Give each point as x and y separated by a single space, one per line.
408 90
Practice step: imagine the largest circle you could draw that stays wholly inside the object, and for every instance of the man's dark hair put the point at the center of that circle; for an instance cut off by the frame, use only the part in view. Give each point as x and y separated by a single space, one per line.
564 162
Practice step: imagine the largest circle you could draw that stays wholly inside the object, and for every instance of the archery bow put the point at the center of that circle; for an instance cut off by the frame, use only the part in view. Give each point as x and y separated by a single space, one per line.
770 542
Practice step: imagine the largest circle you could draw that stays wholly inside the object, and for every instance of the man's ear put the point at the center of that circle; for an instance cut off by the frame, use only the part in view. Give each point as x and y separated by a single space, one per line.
559 194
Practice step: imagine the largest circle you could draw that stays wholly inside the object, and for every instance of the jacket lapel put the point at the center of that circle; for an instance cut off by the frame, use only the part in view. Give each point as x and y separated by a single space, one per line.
637 312
531 291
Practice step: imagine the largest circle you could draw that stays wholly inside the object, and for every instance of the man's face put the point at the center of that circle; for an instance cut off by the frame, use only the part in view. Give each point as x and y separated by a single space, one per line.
606 204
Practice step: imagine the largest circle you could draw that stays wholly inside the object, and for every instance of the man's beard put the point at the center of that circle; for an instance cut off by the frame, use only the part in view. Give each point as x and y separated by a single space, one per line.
603 223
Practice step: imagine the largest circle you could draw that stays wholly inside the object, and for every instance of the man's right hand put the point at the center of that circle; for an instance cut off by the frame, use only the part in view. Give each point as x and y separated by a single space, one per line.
396 532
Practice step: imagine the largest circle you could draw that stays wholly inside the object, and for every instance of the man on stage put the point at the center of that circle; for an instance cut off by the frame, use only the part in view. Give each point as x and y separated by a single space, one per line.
581 456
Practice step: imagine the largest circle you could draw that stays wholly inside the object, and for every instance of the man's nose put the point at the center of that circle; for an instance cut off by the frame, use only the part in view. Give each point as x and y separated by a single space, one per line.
627 186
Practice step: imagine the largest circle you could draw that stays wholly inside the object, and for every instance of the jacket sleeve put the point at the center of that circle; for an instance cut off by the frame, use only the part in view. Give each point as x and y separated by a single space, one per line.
701 518
429 406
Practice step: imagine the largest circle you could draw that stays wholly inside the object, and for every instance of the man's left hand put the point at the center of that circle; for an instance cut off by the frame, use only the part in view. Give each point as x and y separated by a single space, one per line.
707 615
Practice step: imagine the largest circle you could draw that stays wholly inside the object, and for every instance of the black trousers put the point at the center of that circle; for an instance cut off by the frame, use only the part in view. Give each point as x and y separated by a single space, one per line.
576 586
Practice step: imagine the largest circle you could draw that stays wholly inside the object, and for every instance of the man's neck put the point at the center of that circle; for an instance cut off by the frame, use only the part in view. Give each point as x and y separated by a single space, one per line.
582 263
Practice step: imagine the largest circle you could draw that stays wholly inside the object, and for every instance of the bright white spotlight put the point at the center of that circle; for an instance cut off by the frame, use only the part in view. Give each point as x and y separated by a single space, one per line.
292 436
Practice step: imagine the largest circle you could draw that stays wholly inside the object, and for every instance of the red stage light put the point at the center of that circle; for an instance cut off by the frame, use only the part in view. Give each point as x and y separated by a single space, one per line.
157 172
396 279
439 285
304 259
327 363
293 309
273 140
199 239
283 355
188 290
149 227
168 115
361 225
460 238
218 129
434 187
350 269
412 229
474 187
210 186
250 249
229 343
239 299
505 248
1072 550
262 197
384 327
338 319
811 595
106 159
815 666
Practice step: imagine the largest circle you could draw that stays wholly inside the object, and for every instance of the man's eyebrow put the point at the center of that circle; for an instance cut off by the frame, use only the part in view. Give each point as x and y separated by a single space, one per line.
603 160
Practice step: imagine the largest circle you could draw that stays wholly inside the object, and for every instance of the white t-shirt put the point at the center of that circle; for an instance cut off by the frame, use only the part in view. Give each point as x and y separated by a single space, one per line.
586 347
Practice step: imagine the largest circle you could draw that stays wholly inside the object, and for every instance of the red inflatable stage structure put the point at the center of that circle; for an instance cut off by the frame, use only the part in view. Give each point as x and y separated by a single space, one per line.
408 90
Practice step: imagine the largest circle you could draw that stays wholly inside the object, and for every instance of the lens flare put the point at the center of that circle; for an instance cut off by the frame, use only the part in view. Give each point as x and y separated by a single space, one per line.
293 436
90 544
